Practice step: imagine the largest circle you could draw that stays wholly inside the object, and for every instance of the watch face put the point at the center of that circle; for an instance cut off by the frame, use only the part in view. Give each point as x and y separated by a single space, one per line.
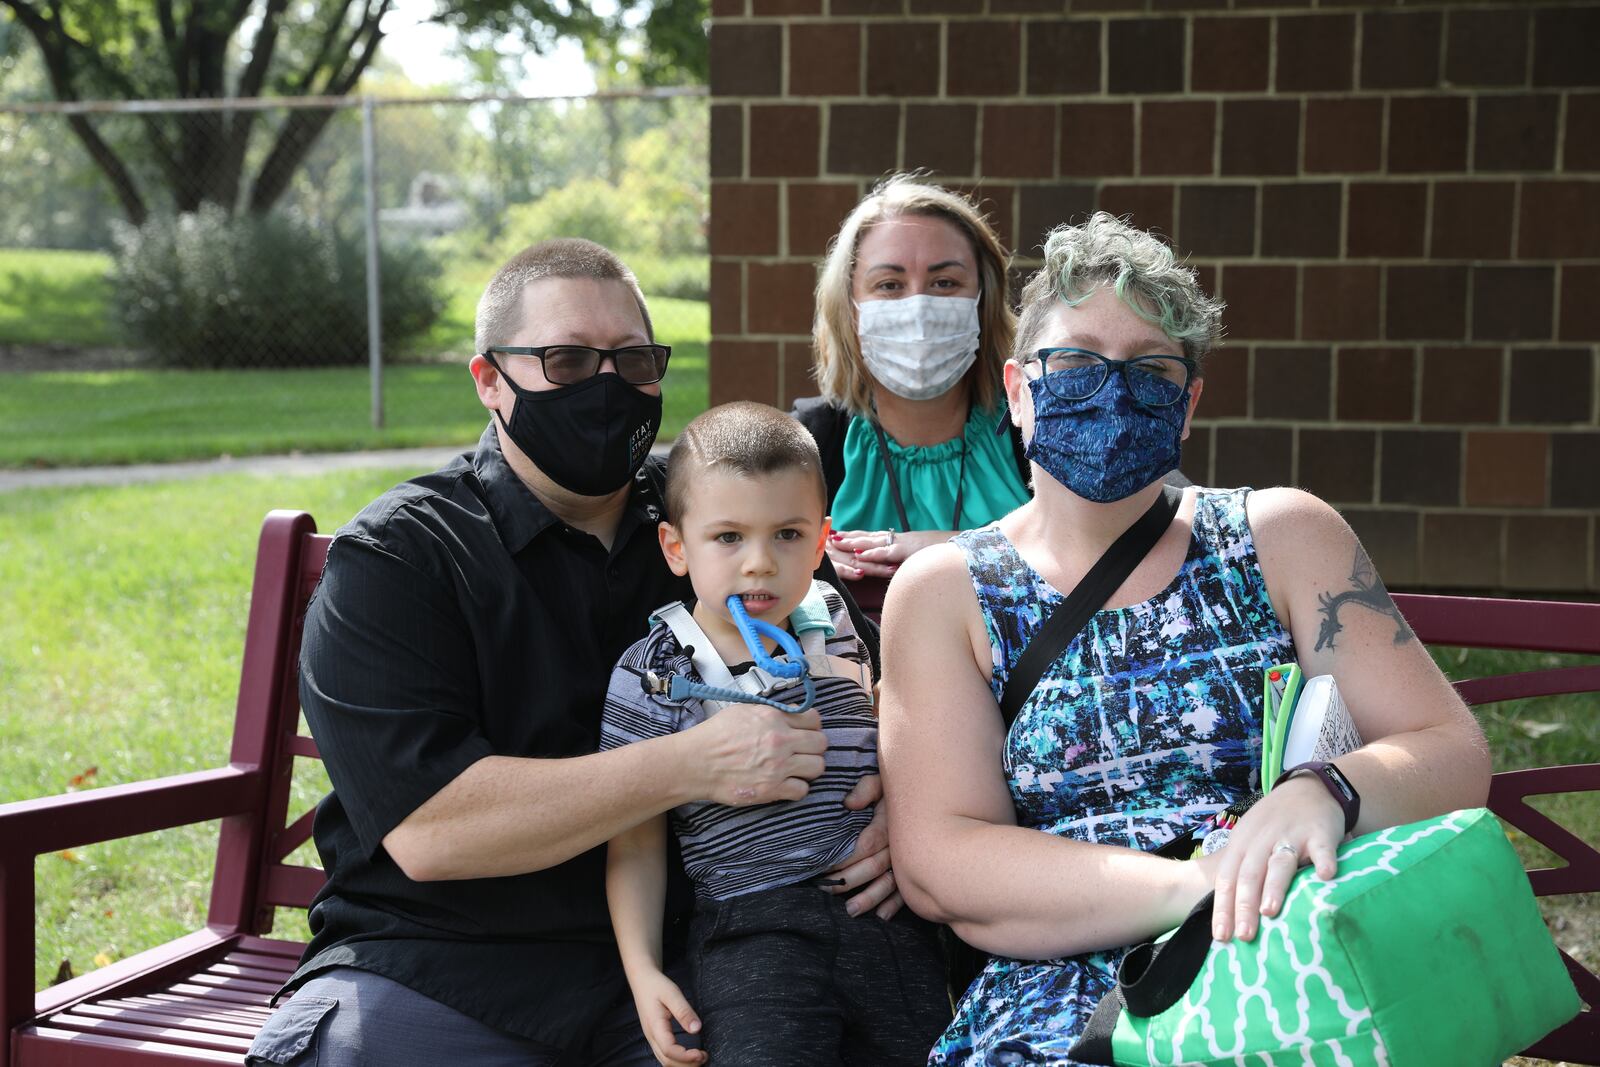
1336 776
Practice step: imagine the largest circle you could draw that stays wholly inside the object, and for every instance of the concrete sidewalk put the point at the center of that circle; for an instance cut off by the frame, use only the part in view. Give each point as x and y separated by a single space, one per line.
421 460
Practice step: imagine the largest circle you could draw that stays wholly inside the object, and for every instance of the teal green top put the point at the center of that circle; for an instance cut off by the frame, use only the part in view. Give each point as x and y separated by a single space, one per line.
991 486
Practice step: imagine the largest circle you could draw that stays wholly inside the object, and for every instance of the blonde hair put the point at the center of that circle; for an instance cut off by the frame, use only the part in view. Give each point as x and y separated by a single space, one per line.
841 375
1138 267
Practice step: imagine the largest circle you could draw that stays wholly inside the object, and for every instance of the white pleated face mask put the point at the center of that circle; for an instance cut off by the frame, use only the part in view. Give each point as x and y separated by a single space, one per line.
918 347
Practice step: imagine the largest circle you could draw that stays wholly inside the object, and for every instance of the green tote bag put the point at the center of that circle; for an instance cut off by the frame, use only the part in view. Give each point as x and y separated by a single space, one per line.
1427 949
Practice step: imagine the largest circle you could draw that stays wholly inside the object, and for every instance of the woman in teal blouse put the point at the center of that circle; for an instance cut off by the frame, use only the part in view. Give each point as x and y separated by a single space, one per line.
913 324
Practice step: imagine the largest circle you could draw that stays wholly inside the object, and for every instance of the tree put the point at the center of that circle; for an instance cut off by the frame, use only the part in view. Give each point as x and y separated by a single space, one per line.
219 49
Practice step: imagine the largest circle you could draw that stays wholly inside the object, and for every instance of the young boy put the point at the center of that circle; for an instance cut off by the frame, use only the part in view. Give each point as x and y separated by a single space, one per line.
782 974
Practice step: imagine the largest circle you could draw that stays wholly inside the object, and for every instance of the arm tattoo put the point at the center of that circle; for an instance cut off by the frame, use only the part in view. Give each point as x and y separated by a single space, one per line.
1368 593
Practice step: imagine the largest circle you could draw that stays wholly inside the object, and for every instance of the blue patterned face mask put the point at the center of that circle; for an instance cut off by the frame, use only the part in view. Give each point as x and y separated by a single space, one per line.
1106 446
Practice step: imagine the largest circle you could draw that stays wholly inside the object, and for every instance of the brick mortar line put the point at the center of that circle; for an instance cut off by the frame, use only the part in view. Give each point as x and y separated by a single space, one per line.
1211 96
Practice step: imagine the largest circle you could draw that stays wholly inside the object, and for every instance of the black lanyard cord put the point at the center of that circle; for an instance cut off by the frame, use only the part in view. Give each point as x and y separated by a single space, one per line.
894 481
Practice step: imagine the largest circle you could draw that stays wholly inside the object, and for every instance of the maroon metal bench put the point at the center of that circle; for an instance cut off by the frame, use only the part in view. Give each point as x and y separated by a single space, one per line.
202 997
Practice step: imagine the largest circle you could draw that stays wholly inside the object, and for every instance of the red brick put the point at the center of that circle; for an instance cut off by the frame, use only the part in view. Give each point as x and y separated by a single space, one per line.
863 138
727 297
1148 206
1096 140
1376 384
1261 301
746 60
1400 50
1145 55
1574 457
942 138
1176 137
824 59
1260 137
729 8
727 140
795 379
778 297
997 202
1472 220
1427 133
815 213
1563 46
1217 220
902 59
868 7
1292 383
1195 459
744 370
1420 467
1029 7
1425 303
1507 469
1227 391
1461 385
1546 552
1344 135
1552 385
784 140
1300 219
744 219
1581 139
771 8
1516 133
1461 553
1339 304
1019 140
1316 53
1393 540
1580 303
1041 208
1229 55
983 58
1338 465
1387 219
1254 455
1513 303
1560 220
1486 48
1063 55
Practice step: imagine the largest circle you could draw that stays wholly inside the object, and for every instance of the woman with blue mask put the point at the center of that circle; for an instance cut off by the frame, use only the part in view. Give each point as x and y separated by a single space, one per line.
913 323
1036 841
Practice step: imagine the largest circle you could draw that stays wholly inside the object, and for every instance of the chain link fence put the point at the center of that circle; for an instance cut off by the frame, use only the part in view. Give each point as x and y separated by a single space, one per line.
204 268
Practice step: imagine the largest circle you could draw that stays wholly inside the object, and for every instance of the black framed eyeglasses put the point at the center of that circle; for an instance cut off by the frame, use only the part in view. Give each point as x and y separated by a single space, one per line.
1078 374
570 364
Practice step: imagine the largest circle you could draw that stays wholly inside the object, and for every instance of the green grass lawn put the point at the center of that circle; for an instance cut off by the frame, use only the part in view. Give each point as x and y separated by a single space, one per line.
52 297
51 418
119 652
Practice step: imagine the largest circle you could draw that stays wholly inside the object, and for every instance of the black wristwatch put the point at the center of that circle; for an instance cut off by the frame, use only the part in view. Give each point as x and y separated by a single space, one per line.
1332 779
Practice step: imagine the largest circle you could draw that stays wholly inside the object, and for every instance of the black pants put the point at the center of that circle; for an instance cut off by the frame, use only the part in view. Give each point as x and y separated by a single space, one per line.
785 976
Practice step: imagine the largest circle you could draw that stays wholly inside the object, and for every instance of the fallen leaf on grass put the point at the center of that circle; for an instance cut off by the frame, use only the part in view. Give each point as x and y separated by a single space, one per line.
1537 730
101 959
70 856
83 778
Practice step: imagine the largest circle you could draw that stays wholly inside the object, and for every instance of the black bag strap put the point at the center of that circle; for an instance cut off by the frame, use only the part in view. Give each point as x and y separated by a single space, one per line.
1088 597
1151 978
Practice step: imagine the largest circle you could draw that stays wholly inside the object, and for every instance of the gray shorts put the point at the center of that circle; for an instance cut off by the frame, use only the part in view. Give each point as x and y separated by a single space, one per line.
351 1018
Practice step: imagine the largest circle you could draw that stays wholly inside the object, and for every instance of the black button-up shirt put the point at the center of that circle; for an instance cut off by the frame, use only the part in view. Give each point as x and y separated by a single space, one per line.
458 618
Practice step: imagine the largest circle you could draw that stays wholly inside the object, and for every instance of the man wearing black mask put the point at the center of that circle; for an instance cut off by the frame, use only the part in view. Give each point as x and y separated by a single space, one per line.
453 669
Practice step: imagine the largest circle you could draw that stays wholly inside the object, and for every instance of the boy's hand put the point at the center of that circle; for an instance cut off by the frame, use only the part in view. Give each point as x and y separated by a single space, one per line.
866 872
751 754
660 1001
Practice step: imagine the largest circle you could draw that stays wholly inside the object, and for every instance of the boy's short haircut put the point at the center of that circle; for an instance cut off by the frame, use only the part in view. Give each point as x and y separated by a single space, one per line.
744 438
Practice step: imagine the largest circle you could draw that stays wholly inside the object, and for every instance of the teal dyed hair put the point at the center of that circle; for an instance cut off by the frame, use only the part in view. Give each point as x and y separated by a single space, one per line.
1139 268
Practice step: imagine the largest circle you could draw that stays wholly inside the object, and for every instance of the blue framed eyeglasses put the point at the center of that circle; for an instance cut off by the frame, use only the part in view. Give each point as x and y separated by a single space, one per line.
1078 374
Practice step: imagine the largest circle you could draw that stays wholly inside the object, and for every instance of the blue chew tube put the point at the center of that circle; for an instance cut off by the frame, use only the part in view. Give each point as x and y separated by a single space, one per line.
752 630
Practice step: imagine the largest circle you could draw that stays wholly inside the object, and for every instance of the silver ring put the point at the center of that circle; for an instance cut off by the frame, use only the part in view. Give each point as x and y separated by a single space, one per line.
891 539
1284 846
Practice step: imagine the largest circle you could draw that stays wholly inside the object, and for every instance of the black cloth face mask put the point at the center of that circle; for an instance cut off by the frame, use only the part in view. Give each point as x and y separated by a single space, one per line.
589 437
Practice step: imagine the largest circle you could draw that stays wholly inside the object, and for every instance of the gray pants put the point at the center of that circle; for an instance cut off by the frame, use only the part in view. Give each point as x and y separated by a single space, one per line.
351 1018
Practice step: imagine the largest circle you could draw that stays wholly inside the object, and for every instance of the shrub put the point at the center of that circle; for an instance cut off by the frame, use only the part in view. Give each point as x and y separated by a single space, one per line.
208 290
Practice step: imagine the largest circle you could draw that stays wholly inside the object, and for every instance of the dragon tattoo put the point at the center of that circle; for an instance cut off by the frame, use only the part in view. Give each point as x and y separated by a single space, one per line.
1370 593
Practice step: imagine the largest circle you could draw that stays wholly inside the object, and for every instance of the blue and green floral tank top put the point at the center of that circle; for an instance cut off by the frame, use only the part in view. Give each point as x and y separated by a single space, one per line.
1149 722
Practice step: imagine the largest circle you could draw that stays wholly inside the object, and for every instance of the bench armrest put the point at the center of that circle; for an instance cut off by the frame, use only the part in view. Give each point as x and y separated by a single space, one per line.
49 824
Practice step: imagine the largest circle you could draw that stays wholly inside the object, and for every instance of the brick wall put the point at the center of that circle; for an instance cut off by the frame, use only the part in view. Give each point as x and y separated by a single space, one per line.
1399 203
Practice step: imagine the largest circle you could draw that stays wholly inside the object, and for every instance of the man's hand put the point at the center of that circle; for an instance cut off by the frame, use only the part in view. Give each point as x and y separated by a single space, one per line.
751 754
866 872
660 1001
1297 821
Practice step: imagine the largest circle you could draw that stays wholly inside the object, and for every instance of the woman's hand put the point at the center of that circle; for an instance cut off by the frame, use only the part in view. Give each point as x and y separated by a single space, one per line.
1296 822
878 553
866 872
660 1001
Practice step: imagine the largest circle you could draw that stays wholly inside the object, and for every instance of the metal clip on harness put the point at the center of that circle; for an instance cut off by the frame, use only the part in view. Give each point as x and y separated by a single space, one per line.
679 687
